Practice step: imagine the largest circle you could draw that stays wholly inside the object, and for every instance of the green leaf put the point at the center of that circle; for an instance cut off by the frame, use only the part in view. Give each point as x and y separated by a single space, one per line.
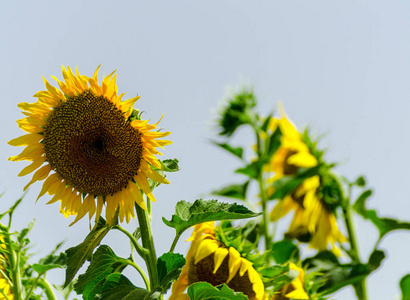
76 256
284 250
103 263
41 269
169 268
336 275
170 165
237 191
384 225
405 287
190 214
252 170
117 286
204 290
375 259
235 151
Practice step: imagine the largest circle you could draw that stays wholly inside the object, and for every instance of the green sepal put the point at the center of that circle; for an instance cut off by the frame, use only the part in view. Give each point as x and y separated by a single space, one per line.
238 151
205 291
169 267
76 256
103 263
117 286
170 165
190 214
237 191
276 277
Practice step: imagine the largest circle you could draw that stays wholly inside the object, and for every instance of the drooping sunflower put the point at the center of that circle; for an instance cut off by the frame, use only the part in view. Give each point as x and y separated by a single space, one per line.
209 260
292 153
295 289
312 222
90 147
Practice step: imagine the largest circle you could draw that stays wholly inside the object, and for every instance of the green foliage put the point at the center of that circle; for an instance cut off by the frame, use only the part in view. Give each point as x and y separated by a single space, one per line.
275 277
170 165
103 263
384 225
190 214
284 251
117 286
237 112
405 287
336 275
237 191
76 256
205 291
238 151
169 268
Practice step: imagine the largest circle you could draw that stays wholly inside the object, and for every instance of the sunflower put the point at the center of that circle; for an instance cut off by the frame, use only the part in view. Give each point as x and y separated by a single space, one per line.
312 222
90 147
295 289
209 260
292 153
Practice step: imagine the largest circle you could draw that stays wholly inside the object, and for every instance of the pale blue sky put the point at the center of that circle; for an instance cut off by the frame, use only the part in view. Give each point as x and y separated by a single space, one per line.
340 66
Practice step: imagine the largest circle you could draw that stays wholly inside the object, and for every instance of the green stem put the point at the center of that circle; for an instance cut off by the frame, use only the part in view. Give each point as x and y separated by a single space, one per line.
141 251
33 284
46 287
148 244
360 287
174 243
138 268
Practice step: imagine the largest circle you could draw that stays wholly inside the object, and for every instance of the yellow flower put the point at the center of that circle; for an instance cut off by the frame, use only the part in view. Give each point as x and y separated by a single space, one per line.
89 147
293 152
295 289
211 261
312 221
5 288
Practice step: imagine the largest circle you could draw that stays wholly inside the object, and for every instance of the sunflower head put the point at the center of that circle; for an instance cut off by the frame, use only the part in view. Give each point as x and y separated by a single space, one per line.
89 146
313 221
295 289
210 260
293 152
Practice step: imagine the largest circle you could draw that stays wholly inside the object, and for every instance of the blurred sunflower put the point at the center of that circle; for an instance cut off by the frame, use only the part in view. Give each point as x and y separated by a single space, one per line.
209 260
5 288
312 222
94 147
295 289
292 153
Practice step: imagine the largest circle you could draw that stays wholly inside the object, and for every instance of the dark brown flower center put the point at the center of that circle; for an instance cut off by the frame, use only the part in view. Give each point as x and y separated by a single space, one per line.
90 144
289 169
203 271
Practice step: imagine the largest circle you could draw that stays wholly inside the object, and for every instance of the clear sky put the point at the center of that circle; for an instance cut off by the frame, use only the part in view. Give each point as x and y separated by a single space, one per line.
340 66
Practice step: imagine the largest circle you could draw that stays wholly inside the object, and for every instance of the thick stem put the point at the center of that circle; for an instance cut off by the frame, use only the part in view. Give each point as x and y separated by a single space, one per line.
148 243
360 287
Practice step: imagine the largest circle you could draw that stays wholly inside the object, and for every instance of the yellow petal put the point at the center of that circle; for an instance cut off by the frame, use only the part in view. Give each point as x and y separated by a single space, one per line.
41 174
303 160
219 257
27 139
206 248
234 263
33 166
